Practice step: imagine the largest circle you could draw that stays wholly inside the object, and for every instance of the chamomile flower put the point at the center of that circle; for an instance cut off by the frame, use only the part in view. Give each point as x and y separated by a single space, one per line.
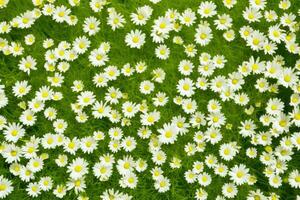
229 35
188 17
115 19
252 14
185 67
35 164
25 174
162 184
97 5
29 39
61 160
33 189
28 118
294 178
135 39
81 44
21 88
185 87
88 144
50 113
27 64
229 3
203 35
6 187
213 135
228 151
204 179
3 4
146 87
168 134
16 49
287 77
239 174
251 152
129 180
241 99
229 190
102 171
142 15
61 14
129 109
46 183
48 9
190 50
91 25
113 95
162 52
201 194
221 169
159 157
77 184
86 98
13 132
270 15
3 122
60 191
98 58
161 99
207 9
60 125
112 72
189 106
223 22
78 168
258 4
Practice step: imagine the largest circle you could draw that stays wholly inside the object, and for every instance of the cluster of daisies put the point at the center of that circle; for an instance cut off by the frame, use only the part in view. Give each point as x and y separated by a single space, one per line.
271 135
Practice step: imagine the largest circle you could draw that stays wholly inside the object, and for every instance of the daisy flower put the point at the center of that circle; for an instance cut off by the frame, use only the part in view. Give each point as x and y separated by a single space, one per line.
81 44
33 189
21 88
162 52
185 87
135 39
185 67
6 187
97 5
229 3
188 17
258 4
13 132
91 25
27 64
294 178
86 98
203 35
146 87
223 22
229 190
4 3
115 20
78 168
142 15
168 134
252 14
162 184
61 13
239 174
207 9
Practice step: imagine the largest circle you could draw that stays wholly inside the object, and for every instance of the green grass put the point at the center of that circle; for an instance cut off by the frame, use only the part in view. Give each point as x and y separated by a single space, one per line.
235 52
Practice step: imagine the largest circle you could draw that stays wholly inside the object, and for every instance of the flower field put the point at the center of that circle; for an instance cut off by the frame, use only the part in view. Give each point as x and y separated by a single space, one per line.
150 99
